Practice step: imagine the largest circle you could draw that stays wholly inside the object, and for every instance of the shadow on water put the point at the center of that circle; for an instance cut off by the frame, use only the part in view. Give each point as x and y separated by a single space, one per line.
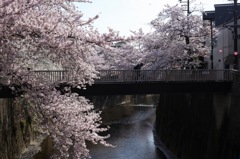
131 132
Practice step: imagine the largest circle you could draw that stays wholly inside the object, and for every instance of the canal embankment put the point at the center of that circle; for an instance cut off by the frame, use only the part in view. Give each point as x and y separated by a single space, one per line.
200 125
15 128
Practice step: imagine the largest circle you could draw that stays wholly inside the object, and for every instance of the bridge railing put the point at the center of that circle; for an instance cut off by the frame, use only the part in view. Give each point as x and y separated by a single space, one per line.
164 75
236 77
52 75
110 76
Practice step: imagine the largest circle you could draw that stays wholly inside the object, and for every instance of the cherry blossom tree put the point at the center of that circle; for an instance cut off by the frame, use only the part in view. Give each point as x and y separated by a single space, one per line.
177 42
34 33
121 55
178 39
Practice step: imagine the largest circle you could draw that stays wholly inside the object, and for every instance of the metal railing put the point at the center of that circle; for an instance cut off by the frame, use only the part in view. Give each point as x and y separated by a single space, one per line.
116 76
164 75
52 75
236 77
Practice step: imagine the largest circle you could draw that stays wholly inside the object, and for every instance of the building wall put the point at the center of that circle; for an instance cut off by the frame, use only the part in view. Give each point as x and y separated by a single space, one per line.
224 46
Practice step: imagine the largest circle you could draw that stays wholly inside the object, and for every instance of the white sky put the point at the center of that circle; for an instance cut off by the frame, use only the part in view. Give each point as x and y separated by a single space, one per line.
126 15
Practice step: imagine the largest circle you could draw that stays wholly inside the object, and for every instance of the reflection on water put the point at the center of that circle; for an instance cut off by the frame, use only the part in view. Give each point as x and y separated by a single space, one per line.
131 132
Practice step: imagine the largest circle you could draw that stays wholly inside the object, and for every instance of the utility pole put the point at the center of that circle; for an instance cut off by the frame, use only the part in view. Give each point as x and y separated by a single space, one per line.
211 56
187 4
187 39
235 51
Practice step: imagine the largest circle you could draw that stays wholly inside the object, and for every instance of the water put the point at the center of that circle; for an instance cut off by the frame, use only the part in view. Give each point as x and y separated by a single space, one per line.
131 132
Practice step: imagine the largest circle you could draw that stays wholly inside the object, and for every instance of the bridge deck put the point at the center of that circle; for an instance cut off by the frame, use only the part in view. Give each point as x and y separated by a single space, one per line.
154 88
123 82
114 82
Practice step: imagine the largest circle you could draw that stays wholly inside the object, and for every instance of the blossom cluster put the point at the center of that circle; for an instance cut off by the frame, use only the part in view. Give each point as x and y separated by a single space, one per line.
51 34
176 42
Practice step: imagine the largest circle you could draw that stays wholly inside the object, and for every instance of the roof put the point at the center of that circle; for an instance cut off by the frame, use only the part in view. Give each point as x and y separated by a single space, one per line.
224 13
209 15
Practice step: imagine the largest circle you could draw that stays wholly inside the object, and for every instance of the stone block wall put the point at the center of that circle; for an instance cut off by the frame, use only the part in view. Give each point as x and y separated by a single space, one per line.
199 125
15 128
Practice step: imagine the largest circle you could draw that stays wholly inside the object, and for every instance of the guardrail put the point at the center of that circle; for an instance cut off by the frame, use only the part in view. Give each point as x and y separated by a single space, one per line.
113 76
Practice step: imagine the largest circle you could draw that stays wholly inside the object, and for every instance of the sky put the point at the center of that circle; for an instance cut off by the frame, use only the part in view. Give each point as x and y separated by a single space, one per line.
131 15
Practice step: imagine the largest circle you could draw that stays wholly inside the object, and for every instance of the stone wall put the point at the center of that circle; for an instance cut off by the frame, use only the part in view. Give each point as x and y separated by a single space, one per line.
199 125
15 128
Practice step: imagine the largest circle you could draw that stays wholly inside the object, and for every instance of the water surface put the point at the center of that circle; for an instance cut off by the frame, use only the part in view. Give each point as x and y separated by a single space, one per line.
131 132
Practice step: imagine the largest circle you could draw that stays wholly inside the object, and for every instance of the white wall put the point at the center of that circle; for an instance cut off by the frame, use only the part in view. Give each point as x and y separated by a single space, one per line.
225 44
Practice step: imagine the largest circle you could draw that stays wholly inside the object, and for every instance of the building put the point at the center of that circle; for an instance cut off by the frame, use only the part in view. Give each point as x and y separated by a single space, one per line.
223 41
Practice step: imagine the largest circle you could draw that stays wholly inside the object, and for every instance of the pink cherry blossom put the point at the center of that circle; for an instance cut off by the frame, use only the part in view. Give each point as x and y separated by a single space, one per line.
52 35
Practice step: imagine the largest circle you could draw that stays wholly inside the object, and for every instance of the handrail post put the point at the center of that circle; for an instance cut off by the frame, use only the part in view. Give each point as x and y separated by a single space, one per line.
166 75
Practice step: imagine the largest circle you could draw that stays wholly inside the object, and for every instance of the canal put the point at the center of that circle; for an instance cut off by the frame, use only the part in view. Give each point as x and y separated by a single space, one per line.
131 125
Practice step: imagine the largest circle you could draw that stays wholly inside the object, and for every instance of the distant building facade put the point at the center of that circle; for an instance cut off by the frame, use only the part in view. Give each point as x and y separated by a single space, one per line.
223 42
